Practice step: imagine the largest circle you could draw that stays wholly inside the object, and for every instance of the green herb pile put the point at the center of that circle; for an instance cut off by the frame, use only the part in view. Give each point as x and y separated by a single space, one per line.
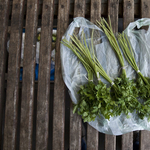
123 94
127 93
94 99
143 83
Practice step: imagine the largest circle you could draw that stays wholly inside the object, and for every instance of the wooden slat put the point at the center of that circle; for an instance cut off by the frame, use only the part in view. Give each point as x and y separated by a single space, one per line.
92 138
110 142
128 12
127 141
75 130
95 13
113 7
42 128
104 7
75 119
79 8
4 4
145 8
128 16
27 103
12 97
144 140
59 86
93 134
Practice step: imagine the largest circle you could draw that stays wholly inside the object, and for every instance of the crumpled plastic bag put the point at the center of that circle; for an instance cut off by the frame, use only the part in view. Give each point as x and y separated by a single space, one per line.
75 75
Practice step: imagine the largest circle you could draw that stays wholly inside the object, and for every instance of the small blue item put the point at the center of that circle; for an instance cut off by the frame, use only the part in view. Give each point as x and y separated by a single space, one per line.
52 72
21 73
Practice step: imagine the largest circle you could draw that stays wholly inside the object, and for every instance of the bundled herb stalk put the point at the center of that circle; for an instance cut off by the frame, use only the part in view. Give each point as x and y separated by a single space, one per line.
127 93
94 99
143 83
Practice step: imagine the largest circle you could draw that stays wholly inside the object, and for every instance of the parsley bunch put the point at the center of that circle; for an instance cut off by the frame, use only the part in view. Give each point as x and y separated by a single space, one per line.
94 99
122 96
127 93
143 83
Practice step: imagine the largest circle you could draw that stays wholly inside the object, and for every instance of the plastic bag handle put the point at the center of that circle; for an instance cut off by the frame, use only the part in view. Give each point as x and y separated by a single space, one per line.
139 23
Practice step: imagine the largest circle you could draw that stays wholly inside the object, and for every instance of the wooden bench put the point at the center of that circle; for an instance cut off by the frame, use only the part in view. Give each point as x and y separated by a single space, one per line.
38 115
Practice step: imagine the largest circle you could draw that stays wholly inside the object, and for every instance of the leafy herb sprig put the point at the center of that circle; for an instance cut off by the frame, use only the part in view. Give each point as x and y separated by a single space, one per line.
143 83
127 93
94 99
99 99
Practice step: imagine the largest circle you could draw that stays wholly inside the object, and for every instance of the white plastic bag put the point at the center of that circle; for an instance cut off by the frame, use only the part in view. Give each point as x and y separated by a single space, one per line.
74 74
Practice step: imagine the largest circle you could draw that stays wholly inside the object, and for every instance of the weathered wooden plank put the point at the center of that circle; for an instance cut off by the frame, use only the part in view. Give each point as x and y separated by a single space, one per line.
113 7
128 12
145 8
59 86
144 140
42 127
127 141
93 134
87 1
75 130
27 103
128 16
110 142
104 8
12 97
92 138
95 12
4 6
75 119
79 8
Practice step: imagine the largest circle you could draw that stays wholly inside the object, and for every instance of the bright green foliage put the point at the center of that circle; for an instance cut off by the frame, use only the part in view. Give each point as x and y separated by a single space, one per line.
143 83
144 89
126 97
122 96
94 100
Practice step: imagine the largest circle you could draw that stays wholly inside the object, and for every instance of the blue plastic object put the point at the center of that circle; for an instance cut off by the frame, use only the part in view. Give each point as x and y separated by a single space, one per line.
36 72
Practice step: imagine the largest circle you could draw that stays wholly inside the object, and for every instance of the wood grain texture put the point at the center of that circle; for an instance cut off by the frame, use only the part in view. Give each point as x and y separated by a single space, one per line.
95 12
145 8
87 1
128 16
110 142
93 134
113 7
127 141
128 12
59 86
43 98
92 138
27 103
79 8
4 6
75 130
75 119
144 140
104 8
12 97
